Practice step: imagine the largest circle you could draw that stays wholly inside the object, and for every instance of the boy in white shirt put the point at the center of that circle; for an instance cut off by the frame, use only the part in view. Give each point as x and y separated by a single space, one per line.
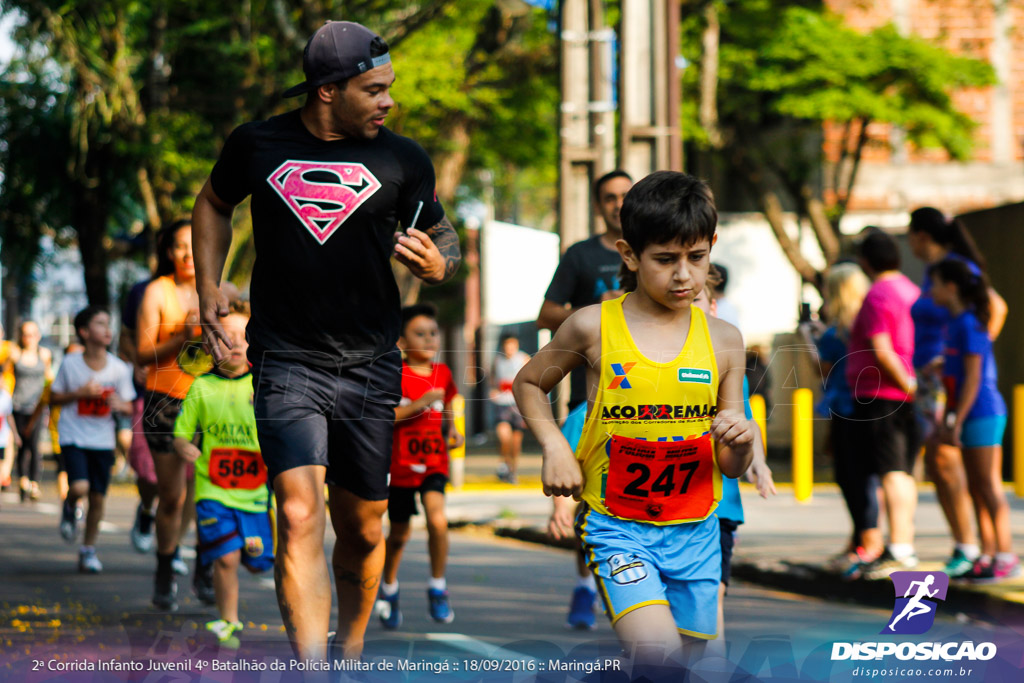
90 385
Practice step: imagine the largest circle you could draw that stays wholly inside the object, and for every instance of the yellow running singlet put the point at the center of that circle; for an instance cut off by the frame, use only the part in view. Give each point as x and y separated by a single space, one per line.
645 452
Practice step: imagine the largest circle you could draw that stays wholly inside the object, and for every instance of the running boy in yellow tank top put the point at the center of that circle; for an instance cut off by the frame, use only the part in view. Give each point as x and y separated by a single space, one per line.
664 420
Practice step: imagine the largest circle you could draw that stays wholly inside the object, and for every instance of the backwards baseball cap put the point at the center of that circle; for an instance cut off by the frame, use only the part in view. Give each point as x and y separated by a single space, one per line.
338 51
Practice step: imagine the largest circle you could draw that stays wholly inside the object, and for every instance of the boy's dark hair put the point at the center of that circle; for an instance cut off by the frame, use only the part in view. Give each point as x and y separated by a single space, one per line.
972 287
714 284
666 206
84 317
879 251
950 234
416 310
505 336
610 175
723 277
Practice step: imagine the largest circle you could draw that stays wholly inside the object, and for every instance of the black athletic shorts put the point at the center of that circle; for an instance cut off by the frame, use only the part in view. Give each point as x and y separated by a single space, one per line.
512 416
727 537
342 420
159 411
402 501
889 435
87 464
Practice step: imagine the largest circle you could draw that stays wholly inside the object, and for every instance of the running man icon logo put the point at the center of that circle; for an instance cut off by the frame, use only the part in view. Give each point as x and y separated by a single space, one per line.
621 370
917 594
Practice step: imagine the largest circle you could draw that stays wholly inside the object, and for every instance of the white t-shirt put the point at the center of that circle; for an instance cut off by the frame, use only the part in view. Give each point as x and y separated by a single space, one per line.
89 423
6 406
505 370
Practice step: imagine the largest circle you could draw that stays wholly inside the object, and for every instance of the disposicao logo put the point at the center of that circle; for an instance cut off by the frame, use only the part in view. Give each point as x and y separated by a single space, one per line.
695 375
917 596
621 370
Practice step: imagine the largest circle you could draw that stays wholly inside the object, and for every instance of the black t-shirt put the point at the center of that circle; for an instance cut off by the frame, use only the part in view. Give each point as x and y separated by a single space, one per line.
587 270
324 215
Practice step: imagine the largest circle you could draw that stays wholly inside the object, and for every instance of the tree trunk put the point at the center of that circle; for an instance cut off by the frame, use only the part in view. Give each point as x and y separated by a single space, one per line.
91 214
754 174
90 224
709 76
452 165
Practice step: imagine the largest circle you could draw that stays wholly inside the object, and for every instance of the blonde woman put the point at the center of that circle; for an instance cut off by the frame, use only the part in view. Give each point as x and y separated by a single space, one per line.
845 288
32 367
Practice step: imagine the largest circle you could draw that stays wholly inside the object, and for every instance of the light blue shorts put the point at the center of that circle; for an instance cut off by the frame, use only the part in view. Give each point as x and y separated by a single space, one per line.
222 530
572 429
983 431
638 564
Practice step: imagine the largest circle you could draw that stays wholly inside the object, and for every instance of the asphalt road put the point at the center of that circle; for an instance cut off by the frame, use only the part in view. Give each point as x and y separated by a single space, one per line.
510 600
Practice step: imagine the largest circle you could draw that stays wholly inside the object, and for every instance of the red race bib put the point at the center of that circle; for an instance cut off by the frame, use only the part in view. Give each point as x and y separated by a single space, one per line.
95 407
660 481
423 447
234 468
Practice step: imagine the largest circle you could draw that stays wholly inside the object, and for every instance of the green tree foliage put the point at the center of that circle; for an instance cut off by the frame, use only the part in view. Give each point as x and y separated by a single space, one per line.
784 69
129 103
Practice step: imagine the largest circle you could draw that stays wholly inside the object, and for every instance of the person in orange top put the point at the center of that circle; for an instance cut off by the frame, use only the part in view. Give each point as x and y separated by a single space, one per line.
168 320
7 461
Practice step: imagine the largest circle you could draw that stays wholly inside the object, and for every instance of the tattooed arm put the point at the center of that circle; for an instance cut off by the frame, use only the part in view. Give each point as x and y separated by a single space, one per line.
433 254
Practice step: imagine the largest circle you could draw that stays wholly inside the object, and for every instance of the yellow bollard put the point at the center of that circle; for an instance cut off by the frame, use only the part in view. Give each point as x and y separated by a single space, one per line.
760 413
803 444
1018 440
457 456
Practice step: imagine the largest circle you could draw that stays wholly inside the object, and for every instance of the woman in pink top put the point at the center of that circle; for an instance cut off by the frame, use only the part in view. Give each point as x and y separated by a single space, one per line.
881 375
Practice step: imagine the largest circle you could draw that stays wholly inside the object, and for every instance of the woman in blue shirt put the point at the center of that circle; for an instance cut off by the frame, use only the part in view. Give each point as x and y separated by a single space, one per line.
845 288
975 416
933 238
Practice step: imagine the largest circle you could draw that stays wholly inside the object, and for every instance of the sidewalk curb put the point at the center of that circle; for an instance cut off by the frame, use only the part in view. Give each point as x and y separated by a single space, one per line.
999 602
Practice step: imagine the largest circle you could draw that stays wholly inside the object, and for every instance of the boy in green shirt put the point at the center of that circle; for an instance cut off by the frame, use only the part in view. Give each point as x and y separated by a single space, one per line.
231 479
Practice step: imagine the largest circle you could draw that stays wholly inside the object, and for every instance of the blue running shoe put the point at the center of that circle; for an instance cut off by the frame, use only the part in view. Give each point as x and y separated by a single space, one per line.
387 610
440 606
581 609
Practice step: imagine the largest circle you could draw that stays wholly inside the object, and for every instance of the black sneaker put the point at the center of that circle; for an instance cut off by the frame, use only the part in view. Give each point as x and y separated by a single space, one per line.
69 522
202 583
165 593
143 538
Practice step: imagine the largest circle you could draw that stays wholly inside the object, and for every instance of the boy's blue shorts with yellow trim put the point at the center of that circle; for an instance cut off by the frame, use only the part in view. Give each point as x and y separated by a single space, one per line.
638 564
223 530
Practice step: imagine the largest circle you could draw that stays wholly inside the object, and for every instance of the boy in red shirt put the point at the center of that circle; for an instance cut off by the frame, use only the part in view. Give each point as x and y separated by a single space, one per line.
419 462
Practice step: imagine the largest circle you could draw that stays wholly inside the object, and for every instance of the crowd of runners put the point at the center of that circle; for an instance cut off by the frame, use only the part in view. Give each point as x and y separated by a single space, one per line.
248 423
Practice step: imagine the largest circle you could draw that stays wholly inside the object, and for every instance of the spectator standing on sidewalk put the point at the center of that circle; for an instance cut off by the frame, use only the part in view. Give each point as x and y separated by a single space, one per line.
845 289
933 238
880 373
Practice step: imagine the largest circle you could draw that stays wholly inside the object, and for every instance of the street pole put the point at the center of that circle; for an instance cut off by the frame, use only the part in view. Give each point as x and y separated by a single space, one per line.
649 87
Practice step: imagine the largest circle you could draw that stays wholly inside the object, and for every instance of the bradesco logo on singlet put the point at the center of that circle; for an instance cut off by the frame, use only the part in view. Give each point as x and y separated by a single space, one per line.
323 195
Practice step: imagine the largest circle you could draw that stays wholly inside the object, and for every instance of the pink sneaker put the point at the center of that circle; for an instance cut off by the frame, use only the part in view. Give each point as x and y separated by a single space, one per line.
1006 570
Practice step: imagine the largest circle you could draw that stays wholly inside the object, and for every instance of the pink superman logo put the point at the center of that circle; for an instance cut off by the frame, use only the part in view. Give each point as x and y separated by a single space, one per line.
323 194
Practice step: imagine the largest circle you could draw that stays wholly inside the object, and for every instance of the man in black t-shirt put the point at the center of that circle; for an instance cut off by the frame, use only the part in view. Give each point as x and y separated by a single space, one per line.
587 274
329 186
589 270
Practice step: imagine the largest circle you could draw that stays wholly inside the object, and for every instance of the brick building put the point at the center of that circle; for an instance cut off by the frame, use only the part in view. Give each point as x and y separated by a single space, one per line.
902 178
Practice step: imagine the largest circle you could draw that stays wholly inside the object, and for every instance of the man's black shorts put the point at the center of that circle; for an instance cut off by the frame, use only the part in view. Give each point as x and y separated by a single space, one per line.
159 411
727 538
342 420
87 464
889 435
402 501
